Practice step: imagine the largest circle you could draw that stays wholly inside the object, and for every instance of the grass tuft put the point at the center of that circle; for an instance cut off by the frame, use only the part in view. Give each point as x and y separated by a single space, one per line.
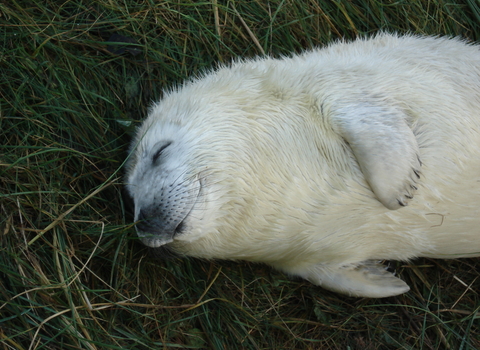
75 77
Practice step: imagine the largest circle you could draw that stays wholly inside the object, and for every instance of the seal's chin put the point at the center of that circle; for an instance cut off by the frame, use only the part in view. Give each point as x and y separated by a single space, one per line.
152 240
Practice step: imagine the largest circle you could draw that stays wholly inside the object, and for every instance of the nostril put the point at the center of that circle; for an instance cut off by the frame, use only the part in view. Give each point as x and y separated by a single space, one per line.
143 223
151 221
141 215
142 226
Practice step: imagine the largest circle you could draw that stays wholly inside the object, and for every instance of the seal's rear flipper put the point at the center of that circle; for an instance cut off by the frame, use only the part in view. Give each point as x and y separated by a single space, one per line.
368 279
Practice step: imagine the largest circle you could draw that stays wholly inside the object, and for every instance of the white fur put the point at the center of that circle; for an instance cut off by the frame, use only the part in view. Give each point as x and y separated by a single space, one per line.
301 162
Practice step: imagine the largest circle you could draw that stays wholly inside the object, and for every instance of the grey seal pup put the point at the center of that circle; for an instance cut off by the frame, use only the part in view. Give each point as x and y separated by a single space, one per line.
320 164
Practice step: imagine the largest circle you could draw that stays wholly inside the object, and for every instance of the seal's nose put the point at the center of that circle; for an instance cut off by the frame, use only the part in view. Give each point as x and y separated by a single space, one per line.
151 222
145 222
152 229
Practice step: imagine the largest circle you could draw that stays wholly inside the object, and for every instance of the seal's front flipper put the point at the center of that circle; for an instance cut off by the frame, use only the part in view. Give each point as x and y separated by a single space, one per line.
384 145
368 279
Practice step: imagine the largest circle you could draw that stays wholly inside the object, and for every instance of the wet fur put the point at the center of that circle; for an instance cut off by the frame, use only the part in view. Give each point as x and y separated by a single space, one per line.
275 166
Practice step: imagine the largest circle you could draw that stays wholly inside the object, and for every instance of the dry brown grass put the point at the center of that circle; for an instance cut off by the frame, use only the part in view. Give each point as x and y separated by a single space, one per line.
72 274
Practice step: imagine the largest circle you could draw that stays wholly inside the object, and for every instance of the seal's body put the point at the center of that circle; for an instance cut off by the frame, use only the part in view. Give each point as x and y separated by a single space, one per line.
319 164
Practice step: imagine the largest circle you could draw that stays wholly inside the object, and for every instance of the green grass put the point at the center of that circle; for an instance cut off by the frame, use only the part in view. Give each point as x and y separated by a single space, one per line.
72 273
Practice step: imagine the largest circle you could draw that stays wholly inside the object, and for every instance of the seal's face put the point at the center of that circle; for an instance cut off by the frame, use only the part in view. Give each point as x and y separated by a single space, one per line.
166 193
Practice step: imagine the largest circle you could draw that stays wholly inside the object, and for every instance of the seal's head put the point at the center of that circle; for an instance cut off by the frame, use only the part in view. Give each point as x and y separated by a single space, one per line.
179 162
166 192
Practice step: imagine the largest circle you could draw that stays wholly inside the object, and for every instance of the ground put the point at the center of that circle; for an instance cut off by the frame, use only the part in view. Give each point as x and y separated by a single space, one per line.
74 80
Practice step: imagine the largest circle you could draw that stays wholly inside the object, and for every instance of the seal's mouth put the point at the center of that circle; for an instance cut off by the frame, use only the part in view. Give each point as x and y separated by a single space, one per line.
155 237
161 221
154 241
157 230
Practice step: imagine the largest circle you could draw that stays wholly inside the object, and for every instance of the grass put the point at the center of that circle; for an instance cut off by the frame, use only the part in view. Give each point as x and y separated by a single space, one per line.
75 78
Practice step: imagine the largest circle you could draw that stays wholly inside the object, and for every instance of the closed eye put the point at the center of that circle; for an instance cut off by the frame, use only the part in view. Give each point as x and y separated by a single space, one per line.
159 152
